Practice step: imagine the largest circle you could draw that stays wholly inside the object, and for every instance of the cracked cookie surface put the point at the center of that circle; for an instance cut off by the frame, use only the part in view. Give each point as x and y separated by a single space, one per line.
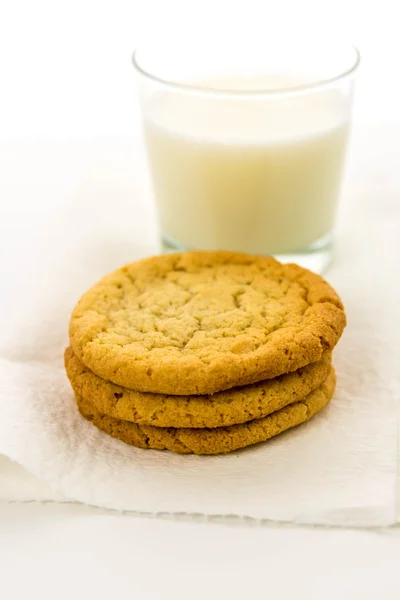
202 322
229 407
212 441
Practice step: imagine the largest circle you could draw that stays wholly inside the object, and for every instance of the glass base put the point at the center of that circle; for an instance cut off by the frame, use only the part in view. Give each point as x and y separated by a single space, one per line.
317 257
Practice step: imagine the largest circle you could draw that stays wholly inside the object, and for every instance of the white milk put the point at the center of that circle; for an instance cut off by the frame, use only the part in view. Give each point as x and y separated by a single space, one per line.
256 175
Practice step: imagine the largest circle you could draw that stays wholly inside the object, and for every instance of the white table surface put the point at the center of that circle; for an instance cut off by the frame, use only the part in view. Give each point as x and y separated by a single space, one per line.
67 550
52 550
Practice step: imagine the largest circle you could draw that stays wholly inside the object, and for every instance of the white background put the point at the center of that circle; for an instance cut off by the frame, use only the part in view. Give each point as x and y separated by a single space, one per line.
66 66
65 72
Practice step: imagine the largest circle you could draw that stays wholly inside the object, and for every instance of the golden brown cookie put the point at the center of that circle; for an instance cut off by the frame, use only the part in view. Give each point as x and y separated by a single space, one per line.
212 441
230 407
202 322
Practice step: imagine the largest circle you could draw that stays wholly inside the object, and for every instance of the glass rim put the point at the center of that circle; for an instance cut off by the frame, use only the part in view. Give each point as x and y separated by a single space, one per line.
198 89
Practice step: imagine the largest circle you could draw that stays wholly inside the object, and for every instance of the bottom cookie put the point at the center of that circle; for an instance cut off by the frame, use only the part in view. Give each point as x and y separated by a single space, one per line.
219 440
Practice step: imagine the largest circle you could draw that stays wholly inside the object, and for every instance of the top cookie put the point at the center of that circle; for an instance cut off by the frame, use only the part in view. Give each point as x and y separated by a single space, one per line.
202 322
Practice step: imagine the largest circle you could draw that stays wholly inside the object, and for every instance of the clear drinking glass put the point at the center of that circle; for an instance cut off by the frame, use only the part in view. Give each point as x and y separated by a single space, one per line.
246 147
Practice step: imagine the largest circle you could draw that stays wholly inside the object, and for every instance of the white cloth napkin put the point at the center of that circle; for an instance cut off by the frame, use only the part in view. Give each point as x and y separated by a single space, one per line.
339 469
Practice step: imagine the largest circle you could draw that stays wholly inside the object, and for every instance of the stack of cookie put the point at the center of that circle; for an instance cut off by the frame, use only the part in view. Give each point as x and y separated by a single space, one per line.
203 352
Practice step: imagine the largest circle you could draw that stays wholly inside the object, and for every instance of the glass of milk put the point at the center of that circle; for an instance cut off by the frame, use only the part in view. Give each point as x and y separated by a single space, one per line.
246 147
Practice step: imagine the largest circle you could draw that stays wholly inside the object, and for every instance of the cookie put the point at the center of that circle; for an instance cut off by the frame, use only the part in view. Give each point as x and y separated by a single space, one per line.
202 322
230 407
212 441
